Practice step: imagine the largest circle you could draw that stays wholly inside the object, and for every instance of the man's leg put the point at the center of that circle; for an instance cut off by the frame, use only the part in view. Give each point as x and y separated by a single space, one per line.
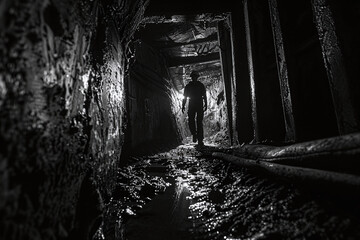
199 124
191 114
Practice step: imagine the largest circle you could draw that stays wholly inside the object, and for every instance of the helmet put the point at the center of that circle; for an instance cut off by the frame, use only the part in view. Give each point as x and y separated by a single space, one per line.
194 74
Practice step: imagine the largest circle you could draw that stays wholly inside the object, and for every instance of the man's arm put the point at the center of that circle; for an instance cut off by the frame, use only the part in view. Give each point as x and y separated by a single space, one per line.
183 104
185 98
205 102
204 98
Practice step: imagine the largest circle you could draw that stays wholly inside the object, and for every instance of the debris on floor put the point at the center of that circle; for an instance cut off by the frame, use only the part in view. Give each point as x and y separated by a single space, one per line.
221 201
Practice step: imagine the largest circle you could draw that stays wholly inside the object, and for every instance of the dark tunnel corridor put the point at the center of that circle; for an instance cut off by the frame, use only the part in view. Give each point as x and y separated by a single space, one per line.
166 52
103 103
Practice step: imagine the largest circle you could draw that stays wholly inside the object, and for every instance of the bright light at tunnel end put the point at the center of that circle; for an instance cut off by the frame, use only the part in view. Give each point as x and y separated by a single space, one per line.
179 96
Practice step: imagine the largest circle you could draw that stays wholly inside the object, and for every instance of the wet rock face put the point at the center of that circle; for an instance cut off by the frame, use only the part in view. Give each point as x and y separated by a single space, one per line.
61 105
152 122
215 118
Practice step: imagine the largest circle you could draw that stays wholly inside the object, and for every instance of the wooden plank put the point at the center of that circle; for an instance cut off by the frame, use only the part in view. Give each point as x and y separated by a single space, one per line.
204 17
227 72
290 135
233 81
251 72
179 61
335 69
210 38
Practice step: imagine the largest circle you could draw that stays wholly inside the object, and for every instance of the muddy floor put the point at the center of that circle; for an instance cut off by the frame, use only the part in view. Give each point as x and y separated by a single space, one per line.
185 194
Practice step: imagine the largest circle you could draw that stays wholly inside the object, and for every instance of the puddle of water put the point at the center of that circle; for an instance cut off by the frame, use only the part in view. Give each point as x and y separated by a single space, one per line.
208 199
164 217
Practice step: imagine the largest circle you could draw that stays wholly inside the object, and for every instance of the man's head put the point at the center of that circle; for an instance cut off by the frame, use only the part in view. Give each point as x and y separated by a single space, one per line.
194 75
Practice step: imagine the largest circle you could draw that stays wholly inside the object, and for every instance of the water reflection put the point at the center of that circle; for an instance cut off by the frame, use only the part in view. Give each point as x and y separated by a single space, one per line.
219 201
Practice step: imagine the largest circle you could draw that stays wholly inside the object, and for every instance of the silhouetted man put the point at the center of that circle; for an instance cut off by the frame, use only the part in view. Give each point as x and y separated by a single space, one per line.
196 93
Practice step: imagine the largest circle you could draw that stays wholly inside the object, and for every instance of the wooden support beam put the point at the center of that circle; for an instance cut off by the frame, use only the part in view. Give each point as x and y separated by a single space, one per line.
335 69
210 38
227 66
233 81
251 72
179 61
204 17
290 134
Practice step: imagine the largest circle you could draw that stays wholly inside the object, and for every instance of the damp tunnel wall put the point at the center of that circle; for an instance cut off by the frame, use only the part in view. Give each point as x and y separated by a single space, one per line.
152 124
62 70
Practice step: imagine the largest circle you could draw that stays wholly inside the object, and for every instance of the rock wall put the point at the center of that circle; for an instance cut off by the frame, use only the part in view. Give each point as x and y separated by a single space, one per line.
216 126
61 108
152 122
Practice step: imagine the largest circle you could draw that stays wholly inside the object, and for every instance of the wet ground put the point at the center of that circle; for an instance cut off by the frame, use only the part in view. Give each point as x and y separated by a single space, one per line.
185 194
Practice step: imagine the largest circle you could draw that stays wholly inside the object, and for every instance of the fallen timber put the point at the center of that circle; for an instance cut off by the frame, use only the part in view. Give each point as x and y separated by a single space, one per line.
307 175
331 163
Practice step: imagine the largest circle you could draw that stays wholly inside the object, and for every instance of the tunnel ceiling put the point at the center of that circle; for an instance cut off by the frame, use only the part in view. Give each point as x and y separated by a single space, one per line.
188 42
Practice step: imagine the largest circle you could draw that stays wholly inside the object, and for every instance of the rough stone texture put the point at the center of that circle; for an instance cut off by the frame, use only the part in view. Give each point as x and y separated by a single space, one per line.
152 123
216 126
230 202
61 105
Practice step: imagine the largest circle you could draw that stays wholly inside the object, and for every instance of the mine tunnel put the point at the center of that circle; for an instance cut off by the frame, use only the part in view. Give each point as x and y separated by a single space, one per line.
95 135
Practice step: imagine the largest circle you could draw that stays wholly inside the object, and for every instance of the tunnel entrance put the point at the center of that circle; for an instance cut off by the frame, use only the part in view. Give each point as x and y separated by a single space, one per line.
165 51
